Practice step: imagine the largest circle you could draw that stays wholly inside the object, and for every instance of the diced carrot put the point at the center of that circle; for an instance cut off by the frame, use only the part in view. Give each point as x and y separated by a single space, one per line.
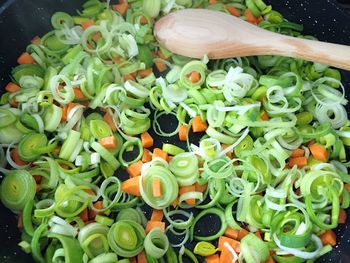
25 58
226 256
143 20
38 188
328 238
147 140
212 2
146 157
93 213
117 60
264 116
122 8
228 154
200 188
16 158
157 187
298 153
233 243
128 77
108 118
186 189
135 169
213 259
242 233
96 36
157 152
175 202
161 66
66 109
14 103
183 131
84 215
342 216
20 221
36 40
270 260
37 178
12 87
161 55
141 258
195 76
87 23
232 233
133 260
300 162
319 152
259 19
233 11
198 125
169 158
311 143
157 215
250 17
132 186
258 234
347 187
153 224
90 192
78 94
108 142
145 72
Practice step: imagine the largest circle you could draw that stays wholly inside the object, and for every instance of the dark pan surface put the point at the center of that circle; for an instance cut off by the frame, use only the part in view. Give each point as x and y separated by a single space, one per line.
21 20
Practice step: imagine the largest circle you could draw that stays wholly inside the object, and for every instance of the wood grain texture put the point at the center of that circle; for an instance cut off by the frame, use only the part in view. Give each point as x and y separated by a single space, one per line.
196 32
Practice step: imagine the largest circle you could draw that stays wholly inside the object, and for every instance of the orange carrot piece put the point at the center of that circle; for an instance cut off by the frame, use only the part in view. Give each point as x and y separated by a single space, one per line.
233 243
319 152
147 140
141 258
14 103
108 142
133 260
270 260
90 192
258 234
225 256
342 216
93 213
20 221
169 158
213 259
87 23
135 169
122 8
108 118
347 187
37 178
153 224
250 17
298 153
146 157
38 188
78 94
328 238
157 215
175 202
233 11
200 188
157 152
228 154
157 187
132 186
143 20
161 66
242 233
186 189
259 19
232 233
84 215
96 36
183 131
36 40
298 161
198 125
145 72
117 60
25 58
16 158
161 55
264 116
12 87
128 77
195 76
212 2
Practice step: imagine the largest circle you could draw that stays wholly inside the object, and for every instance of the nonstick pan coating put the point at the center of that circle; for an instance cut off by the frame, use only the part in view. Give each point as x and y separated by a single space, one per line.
21 20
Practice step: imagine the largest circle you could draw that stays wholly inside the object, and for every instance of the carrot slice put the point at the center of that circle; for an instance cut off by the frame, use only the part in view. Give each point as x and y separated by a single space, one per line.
157 152
122 8
161 66
319 152
108 142
328 238
87 23
132 186
212 2
264 116
147 140
108 118
145 72
93 213
198 125
135 169
183 131
25 58
298 152
232 233
195 76
36 40
228 154
213 259
347 187
12 87
242 233
233 243
84 215
270 260
298 161
342 216
78 94
146 157
128 77
233 11
200 188
250 17
153 224
141 258
186 189
157 188
157 215
17 159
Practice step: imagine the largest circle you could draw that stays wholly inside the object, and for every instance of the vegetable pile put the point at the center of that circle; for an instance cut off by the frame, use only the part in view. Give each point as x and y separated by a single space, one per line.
257 171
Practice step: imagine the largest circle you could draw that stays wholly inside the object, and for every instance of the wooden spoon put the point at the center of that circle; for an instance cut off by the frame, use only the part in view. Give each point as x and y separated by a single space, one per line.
196 32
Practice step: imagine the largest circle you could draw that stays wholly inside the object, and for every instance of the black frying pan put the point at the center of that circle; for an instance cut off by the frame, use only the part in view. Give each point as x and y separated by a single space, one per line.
21 20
